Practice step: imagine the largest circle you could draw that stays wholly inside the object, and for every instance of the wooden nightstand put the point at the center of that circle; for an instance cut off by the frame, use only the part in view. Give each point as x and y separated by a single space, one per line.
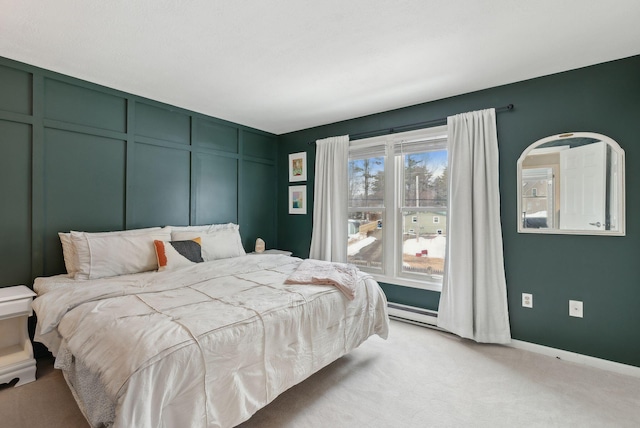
16 351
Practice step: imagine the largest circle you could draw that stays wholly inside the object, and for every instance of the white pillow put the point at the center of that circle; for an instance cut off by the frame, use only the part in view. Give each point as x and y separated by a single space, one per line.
121 255
69 253
221 242
207 228
116 253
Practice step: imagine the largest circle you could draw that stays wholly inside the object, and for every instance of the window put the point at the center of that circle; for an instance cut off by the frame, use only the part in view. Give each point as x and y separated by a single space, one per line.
399 180
366 208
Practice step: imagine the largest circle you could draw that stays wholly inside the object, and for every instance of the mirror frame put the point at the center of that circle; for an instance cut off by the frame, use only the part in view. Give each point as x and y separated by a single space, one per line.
621 231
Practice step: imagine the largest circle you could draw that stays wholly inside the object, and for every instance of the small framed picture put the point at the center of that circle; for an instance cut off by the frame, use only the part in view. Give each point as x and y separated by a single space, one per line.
297 199
298 166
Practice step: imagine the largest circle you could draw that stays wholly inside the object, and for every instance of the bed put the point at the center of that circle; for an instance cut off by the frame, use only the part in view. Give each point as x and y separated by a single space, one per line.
201 344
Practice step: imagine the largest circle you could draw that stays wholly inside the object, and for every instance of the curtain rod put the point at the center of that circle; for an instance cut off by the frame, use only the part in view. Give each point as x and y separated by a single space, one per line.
409 127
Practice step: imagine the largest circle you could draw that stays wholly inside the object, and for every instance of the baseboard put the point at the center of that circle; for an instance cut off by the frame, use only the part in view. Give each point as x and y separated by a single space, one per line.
574 357
413 315
427 318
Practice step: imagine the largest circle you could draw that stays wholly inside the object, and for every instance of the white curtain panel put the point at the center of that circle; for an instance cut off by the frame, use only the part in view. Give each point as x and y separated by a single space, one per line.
329 236
473 303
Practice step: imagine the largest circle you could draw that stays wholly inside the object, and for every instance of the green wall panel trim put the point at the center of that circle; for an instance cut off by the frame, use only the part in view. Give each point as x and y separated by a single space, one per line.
37 178
161 143
259 160
82 129
129 165
84 180
161 186
15 194
15 117
215 136
82 106
600 271
259 145
163 124
416 297
15 87
216 192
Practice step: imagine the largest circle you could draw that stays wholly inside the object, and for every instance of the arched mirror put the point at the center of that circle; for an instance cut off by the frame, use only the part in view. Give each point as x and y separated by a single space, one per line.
573 184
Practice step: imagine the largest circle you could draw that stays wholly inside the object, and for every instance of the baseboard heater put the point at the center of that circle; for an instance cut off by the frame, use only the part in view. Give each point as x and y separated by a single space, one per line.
413 315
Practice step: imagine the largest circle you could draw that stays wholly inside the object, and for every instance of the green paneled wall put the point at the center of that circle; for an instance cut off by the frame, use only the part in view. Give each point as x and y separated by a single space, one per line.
215 136
162 124
15 87
603 272
216 198
161 190
258 199
74 104
74 155
84 186
255 145
15 194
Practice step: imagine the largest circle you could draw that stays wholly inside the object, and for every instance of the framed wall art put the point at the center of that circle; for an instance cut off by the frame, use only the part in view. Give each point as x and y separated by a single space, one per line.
297 199
298 166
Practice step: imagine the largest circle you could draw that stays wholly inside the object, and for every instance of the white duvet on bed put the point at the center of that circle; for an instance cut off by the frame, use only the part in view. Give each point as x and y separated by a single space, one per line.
206 345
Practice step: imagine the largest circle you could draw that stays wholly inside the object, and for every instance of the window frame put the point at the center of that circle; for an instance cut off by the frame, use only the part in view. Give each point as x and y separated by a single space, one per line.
391 272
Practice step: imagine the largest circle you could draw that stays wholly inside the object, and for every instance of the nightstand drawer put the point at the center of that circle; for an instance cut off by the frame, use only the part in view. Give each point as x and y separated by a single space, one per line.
14 308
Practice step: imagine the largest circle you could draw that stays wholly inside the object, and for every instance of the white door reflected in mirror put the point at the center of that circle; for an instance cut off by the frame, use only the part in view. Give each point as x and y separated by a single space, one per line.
572 184
583 182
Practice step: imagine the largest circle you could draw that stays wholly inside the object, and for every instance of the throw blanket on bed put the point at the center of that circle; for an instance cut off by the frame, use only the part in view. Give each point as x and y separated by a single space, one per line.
341 275
207 345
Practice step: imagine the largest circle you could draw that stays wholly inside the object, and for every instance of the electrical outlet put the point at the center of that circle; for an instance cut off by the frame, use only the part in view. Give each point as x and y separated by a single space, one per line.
527 300
575 308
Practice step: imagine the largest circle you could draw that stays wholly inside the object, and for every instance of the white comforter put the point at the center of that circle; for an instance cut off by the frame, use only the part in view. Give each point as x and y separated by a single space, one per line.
208 345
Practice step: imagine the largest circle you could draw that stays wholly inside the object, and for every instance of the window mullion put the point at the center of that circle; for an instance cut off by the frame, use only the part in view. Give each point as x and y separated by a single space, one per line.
388 248
395 198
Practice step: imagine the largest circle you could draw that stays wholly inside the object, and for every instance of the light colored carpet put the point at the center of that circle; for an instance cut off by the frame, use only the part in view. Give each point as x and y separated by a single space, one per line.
418 378
45 403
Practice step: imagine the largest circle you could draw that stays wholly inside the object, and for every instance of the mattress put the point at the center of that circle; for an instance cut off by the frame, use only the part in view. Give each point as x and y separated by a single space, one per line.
203 346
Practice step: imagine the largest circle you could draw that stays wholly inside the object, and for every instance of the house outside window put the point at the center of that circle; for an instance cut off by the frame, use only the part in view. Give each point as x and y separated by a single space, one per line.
401 180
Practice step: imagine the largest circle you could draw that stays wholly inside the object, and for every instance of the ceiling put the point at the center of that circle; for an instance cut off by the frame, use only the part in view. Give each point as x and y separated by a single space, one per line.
286 65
